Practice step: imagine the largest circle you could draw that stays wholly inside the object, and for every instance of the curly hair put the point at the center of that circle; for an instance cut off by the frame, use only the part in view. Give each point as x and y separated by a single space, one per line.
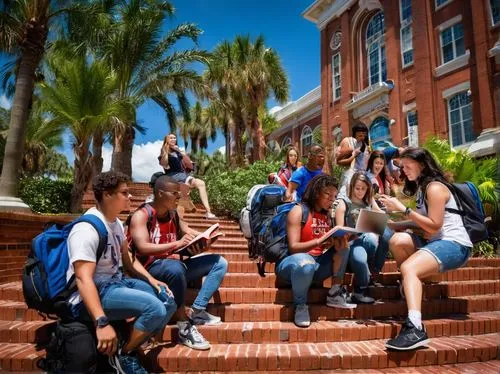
315 186
108 181
431 170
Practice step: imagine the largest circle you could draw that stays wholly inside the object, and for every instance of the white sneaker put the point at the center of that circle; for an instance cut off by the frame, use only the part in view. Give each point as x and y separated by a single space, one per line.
302 318
337 298
211 216
191 337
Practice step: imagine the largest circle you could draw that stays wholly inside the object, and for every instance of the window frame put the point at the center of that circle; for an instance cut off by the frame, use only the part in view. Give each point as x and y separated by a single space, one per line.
302 137
462 127
406 24
286 141
490 11
379 39
408 125
441 31
334 87
441 6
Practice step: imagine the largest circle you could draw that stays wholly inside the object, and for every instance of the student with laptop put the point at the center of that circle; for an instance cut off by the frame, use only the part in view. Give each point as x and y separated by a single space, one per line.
367 249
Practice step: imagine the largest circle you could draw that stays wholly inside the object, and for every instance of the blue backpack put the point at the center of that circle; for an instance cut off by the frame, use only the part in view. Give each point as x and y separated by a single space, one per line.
263 222
44 274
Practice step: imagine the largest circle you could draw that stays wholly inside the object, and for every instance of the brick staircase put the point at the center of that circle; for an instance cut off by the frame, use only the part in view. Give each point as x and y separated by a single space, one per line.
461 313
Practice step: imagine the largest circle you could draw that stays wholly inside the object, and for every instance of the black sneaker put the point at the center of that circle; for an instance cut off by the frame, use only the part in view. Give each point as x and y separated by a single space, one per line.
361 298
409 338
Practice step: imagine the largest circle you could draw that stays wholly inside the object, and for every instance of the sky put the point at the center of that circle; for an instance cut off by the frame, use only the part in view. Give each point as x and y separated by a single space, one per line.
296 40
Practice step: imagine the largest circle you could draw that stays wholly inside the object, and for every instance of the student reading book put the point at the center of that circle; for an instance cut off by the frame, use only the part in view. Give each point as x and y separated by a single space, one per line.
157 239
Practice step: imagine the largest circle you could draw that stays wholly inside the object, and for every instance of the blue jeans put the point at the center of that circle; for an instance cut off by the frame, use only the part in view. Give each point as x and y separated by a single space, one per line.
302 269
176 274
362 249
448 254
377 263
129 297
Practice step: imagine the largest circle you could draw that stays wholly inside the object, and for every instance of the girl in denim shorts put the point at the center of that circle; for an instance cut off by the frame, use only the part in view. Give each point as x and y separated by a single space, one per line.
439 241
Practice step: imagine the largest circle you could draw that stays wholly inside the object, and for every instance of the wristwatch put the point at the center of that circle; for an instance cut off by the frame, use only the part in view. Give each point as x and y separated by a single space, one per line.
101 322
407 211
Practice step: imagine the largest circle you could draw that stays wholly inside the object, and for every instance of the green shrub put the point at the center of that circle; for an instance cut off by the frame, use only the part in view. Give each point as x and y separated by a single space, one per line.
227 191
44 195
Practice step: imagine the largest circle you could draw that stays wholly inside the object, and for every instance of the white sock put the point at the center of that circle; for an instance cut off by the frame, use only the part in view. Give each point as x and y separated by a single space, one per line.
416 318
182 325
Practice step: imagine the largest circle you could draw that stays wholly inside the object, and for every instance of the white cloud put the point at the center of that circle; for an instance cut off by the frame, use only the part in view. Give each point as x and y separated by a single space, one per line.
4 102
144 160
222 149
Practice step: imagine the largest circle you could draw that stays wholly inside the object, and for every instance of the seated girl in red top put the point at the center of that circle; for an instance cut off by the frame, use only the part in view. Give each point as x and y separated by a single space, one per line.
313 256
285 172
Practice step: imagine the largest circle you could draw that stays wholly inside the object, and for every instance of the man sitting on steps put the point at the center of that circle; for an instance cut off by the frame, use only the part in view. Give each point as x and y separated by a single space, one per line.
104 293
156 232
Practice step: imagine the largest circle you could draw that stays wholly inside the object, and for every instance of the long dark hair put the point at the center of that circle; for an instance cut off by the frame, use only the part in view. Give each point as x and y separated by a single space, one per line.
361 127
431 171
314 188
287 159
373 156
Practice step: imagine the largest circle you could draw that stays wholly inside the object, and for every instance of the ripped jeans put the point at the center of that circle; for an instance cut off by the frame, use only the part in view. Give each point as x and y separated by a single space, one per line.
302 269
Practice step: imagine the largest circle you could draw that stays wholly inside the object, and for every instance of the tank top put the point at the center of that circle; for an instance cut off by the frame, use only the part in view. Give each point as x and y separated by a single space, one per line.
175 162
352 210
316 226
453 227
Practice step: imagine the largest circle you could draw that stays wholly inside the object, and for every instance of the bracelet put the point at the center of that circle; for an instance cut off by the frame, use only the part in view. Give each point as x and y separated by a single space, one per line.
408 210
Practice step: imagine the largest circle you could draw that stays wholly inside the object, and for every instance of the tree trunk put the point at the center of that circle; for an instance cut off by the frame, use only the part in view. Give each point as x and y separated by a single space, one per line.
81 175
227 137
97 142
258 145
239 128
14 147
194 145
122 151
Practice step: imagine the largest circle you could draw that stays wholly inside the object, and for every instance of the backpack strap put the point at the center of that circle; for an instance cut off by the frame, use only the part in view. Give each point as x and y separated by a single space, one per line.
101 229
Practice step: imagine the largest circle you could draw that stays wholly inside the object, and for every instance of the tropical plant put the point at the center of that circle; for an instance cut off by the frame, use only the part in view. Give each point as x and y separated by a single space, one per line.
463 167
82 98
148 62
24 29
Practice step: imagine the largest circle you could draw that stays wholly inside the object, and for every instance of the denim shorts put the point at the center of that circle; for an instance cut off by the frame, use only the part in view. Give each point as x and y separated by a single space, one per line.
449 254
180 177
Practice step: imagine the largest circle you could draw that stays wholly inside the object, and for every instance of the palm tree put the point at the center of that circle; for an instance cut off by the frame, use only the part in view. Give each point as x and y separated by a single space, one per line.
82 98
23 35
148 63
262 75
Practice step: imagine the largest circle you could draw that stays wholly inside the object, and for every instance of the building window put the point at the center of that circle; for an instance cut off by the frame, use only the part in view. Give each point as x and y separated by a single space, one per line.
460 119
287 141
375 46
379 132
495 11
452 42
337 83
442 3
306 140
412 122
406 33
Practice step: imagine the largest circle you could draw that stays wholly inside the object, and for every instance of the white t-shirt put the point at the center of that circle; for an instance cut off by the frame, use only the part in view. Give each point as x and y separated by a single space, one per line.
83 241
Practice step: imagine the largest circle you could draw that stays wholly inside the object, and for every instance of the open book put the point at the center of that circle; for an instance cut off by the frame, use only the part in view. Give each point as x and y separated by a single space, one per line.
368 221
203 241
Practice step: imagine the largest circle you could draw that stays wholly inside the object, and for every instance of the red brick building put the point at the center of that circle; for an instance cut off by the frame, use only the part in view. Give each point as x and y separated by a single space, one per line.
409 68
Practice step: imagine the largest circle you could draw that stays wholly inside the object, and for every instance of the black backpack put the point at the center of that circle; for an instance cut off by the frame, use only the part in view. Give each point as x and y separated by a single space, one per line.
470 208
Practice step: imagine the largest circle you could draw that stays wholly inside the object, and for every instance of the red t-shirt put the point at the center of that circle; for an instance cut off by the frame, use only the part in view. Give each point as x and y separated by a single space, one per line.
316 226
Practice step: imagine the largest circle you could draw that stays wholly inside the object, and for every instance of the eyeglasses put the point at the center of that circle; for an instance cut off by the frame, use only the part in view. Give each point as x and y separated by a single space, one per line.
175 193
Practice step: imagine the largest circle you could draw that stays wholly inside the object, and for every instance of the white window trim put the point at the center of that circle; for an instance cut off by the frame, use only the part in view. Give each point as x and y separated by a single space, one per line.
490 12
302 138
452 91
410 107
286 141
436 7
452 65
449 124
449 22
334 88
402 50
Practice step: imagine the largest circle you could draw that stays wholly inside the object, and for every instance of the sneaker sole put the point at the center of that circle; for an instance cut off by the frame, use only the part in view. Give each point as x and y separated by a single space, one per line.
340 306
416 345
204 323
195 347
304 325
